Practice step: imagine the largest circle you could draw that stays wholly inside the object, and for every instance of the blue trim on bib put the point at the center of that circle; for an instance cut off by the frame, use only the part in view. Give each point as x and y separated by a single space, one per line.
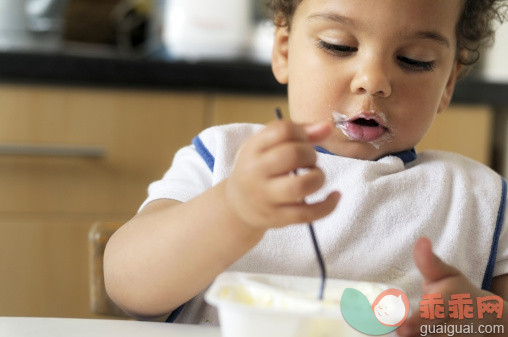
406 156
204 153
321 150
174 315
489 272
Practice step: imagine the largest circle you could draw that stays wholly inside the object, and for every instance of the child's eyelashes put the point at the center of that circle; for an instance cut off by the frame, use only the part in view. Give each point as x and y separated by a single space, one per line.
405 62
415 65
336 49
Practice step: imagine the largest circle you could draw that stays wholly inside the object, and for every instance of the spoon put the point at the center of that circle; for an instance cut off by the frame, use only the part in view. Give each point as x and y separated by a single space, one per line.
314 241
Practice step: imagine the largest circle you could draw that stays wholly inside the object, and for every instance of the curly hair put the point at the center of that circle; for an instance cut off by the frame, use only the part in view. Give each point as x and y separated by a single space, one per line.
475 28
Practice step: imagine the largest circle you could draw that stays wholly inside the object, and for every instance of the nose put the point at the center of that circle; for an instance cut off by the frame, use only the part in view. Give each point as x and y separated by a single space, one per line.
371 78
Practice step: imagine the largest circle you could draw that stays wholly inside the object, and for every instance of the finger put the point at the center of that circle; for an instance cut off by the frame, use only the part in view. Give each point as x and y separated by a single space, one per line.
412 326
277 132
430 265
318 132
290 189
304 213
288 157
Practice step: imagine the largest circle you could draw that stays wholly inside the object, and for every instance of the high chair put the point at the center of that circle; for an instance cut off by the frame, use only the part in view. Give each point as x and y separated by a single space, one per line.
100 303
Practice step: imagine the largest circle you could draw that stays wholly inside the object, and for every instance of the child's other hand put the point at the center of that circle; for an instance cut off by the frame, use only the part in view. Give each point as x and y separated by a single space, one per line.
445 280
262 190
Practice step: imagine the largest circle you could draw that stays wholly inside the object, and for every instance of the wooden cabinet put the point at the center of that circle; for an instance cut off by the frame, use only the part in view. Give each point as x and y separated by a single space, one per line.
68 158
136 131
463 129
44 264
226 109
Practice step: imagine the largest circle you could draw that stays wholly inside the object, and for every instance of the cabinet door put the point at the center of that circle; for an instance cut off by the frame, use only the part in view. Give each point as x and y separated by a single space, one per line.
245 109
44 264
86 150
463 129
70 157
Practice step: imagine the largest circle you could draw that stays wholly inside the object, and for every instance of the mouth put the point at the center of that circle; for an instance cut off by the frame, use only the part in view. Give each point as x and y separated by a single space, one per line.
365 122
366 126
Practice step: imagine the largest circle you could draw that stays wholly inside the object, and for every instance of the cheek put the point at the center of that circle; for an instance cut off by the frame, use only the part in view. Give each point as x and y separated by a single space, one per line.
416 110
420 97
316 92
428 92
313 100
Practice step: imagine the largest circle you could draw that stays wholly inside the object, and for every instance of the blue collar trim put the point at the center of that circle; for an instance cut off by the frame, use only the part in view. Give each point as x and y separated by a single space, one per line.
489 271
406 156
321 150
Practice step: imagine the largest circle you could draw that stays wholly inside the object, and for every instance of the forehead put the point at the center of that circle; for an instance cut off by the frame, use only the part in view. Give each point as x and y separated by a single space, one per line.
439 15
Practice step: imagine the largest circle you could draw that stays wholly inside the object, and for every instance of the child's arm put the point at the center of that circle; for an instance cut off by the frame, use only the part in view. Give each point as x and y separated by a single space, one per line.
440 278
171 251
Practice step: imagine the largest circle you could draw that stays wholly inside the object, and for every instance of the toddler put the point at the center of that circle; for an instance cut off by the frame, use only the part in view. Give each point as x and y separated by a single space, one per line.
365 80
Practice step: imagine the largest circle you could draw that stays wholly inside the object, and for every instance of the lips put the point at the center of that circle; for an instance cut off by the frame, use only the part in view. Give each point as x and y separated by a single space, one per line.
364 127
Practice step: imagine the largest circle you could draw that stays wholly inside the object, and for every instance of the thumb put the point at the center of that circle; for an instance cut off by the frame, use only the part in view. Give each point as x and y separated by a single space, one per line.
430 265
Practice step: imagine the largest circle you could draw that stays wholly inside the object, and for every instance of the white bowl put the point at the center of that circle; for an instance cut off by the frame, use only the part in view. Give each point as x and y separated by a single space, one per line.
264 305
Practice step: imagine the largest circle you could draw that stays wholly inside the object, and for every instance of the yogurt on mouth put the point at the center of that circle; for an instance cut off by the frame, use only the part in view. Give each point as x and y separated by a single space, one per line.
376 135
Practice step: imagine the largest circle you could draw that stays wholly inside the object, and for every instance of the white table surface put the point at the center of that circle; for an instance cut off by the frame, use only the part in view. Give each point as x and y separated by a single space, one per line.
76 327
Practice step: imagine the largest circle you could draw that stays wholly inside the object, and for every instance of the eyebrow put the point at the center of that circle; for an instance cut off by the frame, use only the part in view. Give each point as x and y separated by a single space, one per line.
334 17
430 35
427 35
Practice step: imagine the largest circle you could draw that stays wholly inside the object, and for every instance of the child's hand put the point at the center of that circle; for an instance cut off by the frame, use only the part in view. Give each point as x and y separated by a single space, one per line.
262 190
441 278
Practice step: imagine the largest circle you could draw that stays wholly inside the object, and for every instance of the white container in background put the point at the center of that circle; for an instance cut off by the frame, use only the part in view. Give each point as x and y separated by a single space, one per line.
204 29
13 29
495 65
30 24
262 42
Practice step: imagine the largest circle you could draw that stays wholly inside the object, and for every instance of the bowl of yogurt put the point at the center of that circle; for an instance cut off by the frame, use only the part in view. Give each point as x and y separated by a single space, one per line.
255 305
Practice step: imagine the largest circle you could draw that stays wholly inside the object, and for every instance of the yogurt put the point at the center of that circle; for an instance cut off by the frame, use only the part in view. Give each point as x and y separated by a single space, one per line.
253 305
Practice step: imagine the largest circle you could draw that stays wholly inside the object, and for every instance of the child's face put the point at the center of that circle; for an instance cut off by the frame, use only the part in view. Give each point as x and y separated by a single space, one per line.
382 69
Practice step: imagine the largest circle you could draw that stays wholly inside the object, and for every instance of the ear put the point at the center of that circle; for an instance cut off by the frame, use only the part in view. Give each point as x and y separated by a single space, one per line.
280 54
450 87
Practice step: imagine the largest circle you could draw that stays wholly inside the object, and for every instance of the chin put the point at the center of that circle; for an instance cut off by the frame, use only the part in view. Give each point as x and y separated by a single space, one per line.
360 151
341 145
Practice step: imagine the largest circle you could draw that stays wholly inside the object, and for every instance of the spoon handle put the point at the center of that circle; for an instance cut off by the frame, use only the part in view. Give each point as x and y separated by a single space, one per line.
320 261
314 242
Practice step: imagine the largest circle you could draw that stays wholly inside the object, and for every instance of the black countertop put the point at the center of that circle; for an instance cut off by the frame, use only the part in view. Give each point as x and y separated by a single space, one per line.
239 76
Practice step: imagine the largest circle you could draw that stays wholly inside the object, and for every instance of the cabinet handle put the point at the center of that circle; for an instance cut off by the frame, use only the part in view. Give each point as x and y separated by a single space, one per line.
52 150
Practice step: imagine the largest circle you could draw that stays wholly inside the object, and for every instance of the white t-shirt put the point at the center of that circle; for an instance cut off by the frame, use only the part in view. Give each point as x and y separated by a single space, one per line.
386 205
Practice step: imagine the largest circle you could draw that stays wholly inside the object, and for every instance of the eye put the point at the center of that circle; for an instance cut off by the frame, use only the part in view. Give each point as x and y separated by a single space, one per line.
415 65
336 49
